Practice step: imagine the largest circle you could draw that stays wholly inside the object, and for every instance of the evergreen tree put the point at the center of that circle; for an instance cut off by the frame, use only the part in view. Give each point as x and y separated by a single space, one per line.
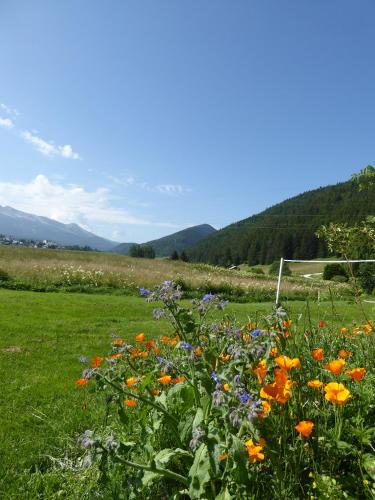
174 255
183 256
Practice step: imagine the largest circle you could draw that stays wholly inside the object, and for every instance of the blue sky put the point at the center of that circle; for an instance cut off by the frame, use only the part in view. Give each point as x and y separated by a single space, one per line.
139 118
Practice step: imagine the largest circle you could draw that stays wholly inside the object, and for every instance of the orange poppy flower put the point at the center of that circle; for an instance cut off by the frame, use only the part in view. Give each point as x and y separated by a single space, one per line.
287 323
165 339
356 373
131 381
335 366
155 350
223 456
198 351
95 363
155 392
255 451
130 403
322 324
226 387
261 370
315 384
143 354
343 330
344 354
317 354
140 337
165 379
266 409
81 381
117 342
133 352
115 356
150 343
304 427
336 393
280 390
224 357
177 380
286 363
246 338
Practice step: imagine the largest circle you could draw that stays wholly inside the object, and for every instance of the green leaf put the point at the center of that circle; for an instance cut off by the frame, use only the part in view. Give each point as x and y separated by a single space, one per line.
185 427
239 454
198 419
199 473
368 463
224 495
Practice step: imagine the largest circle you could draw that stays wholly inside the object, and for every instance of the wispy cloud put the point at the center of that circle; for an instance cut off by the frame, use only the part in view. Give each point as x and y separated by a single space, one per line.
44 147
170 188
49 148
10 111
6 123
69 204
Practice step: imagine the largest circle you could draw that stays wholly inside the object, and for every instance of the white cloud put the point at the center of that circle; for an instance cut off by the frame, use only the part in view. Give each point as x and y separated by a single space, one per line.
169 188
8 110
6 123
69 204
48 148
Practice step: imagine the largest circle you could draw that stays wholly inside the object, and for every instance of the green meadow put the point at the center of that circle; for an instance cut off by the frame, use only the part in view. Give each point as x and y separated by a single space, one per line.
42 336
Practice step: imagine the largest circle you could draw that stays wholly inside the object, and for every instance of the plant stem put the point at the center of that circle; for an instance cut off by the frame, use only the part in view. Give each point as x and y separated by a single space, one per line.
162 472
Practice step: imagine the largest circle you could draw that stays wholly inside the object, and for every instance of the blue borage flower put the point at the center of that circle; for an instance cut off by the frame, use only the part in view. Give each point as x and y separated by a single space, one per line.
215 377
83 359
187 346
144 292
244 397
256 333
208 297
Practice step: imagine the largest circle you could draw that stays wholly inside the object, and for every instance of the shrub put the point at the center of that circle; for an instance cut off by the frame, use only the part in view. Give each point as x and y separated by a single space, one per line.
366 276
275 266
339 278
4 276
256 270
331 270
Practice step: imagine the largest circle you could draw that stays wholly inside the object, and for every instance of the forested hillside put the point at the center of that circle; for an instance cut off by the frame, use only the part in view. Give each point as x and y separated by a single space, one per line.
286 229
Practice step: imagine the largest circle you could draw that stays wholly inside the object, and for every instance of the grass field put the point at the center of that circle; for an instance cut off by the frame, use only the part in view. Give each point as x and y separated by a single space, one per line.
41 339
92 272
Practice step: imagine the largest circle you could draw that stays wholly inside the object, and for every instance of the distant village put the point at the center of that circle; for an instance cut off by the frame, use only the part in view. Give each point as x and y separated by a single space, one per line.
10 240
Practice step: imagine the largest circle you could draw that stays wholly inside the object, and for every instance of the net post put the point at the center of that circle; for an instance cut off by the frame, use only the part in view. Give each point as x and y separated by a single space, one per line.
279 280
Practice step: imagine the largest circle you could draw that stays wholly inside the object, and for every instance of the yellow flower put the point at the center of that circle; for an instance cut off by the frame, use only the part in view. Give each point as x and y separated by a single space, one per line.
273 352
315 384
336 393
255 451
226 387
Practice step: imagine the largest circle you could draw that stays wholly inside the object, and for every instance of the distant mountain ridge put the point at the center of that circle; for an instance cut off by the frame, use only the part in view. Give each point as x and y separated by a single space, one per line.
286 229
179 241
35 227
